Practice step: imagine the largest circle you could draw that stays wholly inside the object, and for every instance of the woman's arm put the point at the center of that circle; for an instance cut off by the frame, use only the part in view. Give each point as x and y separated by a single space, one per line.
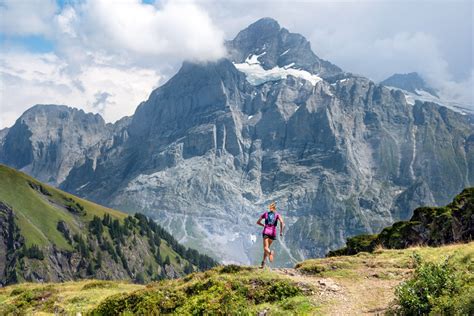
282 225
259 222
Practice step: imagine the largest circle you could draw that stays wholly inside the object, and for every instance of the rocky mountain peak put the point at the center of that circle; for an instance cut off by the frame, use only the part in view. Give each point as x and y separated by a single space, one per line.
411 82
48 140
267 43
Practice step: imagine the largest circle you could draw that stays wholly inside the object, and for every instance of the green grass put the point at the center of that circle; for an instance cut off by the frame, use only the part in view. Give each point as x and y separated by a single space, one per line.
395 261
38 214
66 298
228 290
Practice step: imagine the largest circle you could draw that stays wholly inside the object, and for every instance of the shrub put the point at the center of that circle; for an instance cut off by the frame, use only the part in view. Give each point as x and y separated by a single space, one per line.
74 207
99 284
233 268
311 268
435 288
34 252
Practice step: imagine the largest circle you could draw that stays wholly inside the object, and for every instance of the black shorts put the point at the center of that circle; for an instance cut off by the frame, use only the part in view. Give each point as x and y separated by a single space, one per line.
268 236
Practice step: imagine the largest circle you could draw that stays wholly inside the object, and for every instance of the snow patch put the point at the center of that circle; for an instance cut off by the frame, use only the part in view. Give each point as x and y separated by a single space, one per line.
425 96
253 59
83 186
256 75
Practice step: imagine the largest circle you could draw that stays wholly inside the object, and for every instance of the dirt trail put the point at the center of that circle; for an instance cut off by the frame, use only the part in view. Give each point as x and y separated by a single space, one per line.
370 294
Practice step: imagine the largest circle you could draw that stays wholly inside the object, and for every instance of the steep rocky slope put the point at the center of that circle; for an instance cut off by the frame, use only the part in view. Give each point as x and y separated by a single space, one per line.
340 154
47 235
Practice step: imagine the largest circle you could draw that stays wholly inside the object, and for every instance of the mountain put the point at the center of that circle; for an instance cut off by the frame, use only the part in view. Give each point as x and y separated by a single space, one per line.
47 141
276 47
47 235
411 82
431 226
340 154
415 88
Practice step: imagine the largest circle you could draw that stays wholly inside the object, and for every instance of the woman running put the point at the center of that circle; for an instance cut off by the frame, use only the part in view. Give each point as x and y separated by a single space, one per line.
270 230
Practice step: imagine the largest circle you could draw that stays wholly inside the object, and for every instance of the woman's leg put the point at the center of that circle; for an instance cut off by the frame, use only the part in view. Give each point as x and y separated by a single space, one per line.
266 246
270 254
266 250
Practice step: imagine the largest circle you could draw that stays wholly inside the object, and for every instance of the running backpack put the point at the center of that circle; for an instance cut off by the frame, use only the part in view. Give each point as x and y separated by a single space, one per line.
271 221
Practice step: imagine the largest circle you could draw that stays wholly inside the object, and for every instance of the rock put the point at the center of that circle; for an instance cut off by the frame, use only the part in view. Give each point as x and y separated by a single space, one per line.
329 285
47 141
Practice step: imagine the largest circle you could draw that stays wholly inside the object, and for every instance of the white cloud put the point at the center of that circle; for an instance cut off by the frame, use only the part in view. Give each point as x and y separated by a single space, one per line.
109 55
176 30
29 79
21 17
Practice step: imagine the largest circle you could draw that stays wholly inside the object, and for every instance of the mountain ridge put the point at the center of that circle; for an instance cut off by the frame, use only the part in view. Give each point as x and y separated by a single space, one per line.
410 82
280 48
414 87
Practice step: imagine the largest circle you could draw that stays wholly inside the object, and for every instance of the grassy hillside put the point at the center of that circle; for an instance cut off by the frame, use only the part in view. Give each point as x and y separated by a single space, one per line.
39 212
49 235
347 285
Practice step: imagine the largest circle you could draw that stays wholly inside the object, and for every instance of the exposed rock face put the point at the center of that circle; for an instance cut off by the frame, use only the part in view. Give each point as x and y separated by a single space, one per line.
10 242
47 141
411 82
341 155
3 134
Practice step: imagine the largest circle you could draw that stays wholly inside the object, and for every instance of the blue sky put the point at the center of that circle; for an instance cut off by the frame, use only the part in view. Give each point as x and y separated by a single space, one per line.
32 43
76 52
40 43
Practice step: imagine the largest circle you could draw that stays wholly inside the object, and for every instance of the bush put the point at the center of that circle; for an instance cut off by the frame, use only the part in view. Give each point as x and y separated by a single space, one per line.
355 245
99 284
34 252
435 288
74 207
